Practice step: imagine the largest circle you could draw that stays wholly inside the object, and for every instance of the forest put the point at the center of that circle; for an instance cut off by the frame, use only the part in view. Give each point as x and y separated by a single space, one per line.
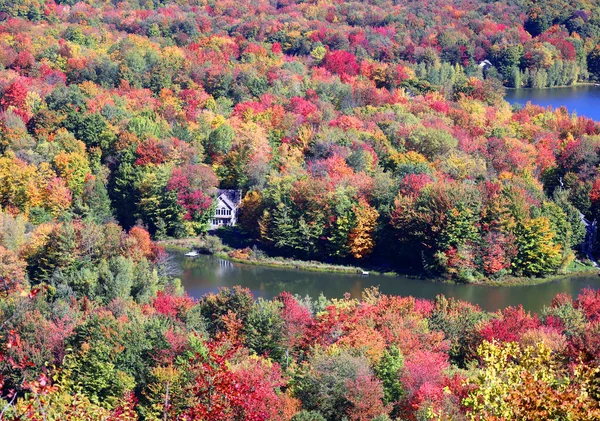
358 132
107 349
370 132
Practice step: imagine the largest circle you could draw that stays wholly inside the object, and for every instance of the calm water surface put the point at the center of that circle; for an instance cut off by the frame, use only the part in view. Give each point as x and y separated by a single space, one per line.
584 100
203 274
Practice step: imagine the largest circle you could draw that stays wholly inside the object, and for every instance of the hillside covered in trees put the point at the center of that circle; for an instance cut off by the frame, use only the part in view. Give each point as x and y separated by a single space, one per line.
372 132
357 131
125 356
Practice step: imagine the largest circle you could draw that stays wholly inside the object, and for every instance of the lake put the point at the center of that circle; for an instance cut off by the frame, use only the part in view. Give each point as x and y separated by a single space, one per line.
583 99
204 274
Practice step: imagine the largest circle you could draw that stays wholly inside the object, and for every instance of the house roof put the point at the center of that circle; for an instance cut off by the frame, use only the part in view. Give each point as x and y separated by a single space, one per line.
232 198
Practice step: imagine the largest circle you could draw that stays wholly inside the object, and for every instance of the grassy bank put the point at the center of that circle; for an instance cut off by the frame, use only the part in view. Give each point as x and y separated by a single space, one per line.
181 244
307 265
211 245
575 269
574 85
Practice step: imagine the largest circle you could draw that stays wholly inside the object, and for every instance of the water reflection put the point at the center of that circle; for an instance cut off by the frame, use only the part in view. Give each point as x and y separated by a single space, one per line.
205 274
224 268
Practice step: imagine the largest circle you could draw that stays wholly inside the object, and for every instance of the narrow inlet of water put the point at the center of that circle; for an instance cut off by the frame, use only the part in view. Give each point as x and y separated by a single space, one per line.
203 274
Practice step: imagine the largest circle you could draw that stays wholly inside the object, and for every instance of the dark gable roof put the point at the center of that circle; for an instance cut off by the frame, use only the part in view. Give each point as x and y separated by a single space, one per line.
233 196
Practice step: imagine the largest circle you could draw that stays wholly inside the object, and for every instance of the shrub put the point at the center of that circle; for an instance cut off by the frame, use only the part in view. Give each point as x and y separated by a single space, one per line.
241 254
308 416
323 381
212 245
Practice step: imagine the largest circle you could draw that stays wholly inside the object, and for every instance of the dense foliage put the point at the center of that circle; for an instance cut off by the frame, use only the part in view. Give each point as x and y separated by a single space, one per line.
358 131
126 354
354 129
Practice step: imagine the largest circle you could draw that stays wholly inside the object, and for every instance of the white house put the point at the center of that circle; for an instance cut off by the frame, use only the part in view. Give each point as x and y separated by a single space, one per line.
485 64
226 209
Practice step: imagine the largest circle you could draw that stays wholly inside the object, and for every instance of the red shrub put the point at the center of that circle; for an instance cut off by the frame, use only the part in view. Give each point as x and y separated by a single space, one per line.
423 377
365 394
589 302
14 95
513 322
296 317
150 152
341 62
171 305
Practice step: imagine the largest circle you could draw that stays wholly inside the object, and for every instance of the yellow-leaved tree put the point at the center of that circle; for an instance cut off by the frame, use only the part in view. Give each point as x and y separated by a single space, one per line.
529 384
360 239
538 253
250 211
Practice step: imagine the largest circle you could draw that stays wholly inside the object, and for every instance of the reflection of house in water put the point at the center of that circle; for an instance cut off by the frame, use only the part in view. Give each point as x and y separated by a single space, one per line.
224 267
225 263
226 209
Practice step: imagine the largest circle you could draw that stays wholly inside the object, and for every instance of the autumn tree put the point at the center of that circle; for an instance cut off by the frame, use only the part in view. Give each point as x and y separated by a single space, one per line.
12 271
537 253
512 381
360 238
250 211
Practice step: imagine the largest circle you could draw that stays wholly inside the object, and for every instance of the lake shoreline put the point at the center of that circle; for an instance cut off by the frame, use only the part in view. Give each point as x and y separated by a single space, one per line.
314 266
188 244
575 85
191 244
306 265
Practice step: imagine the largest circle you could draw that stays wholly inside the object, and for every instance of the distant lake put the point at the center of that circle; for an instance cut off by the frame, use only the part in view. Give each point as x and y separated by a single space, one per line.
584 99
204 274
